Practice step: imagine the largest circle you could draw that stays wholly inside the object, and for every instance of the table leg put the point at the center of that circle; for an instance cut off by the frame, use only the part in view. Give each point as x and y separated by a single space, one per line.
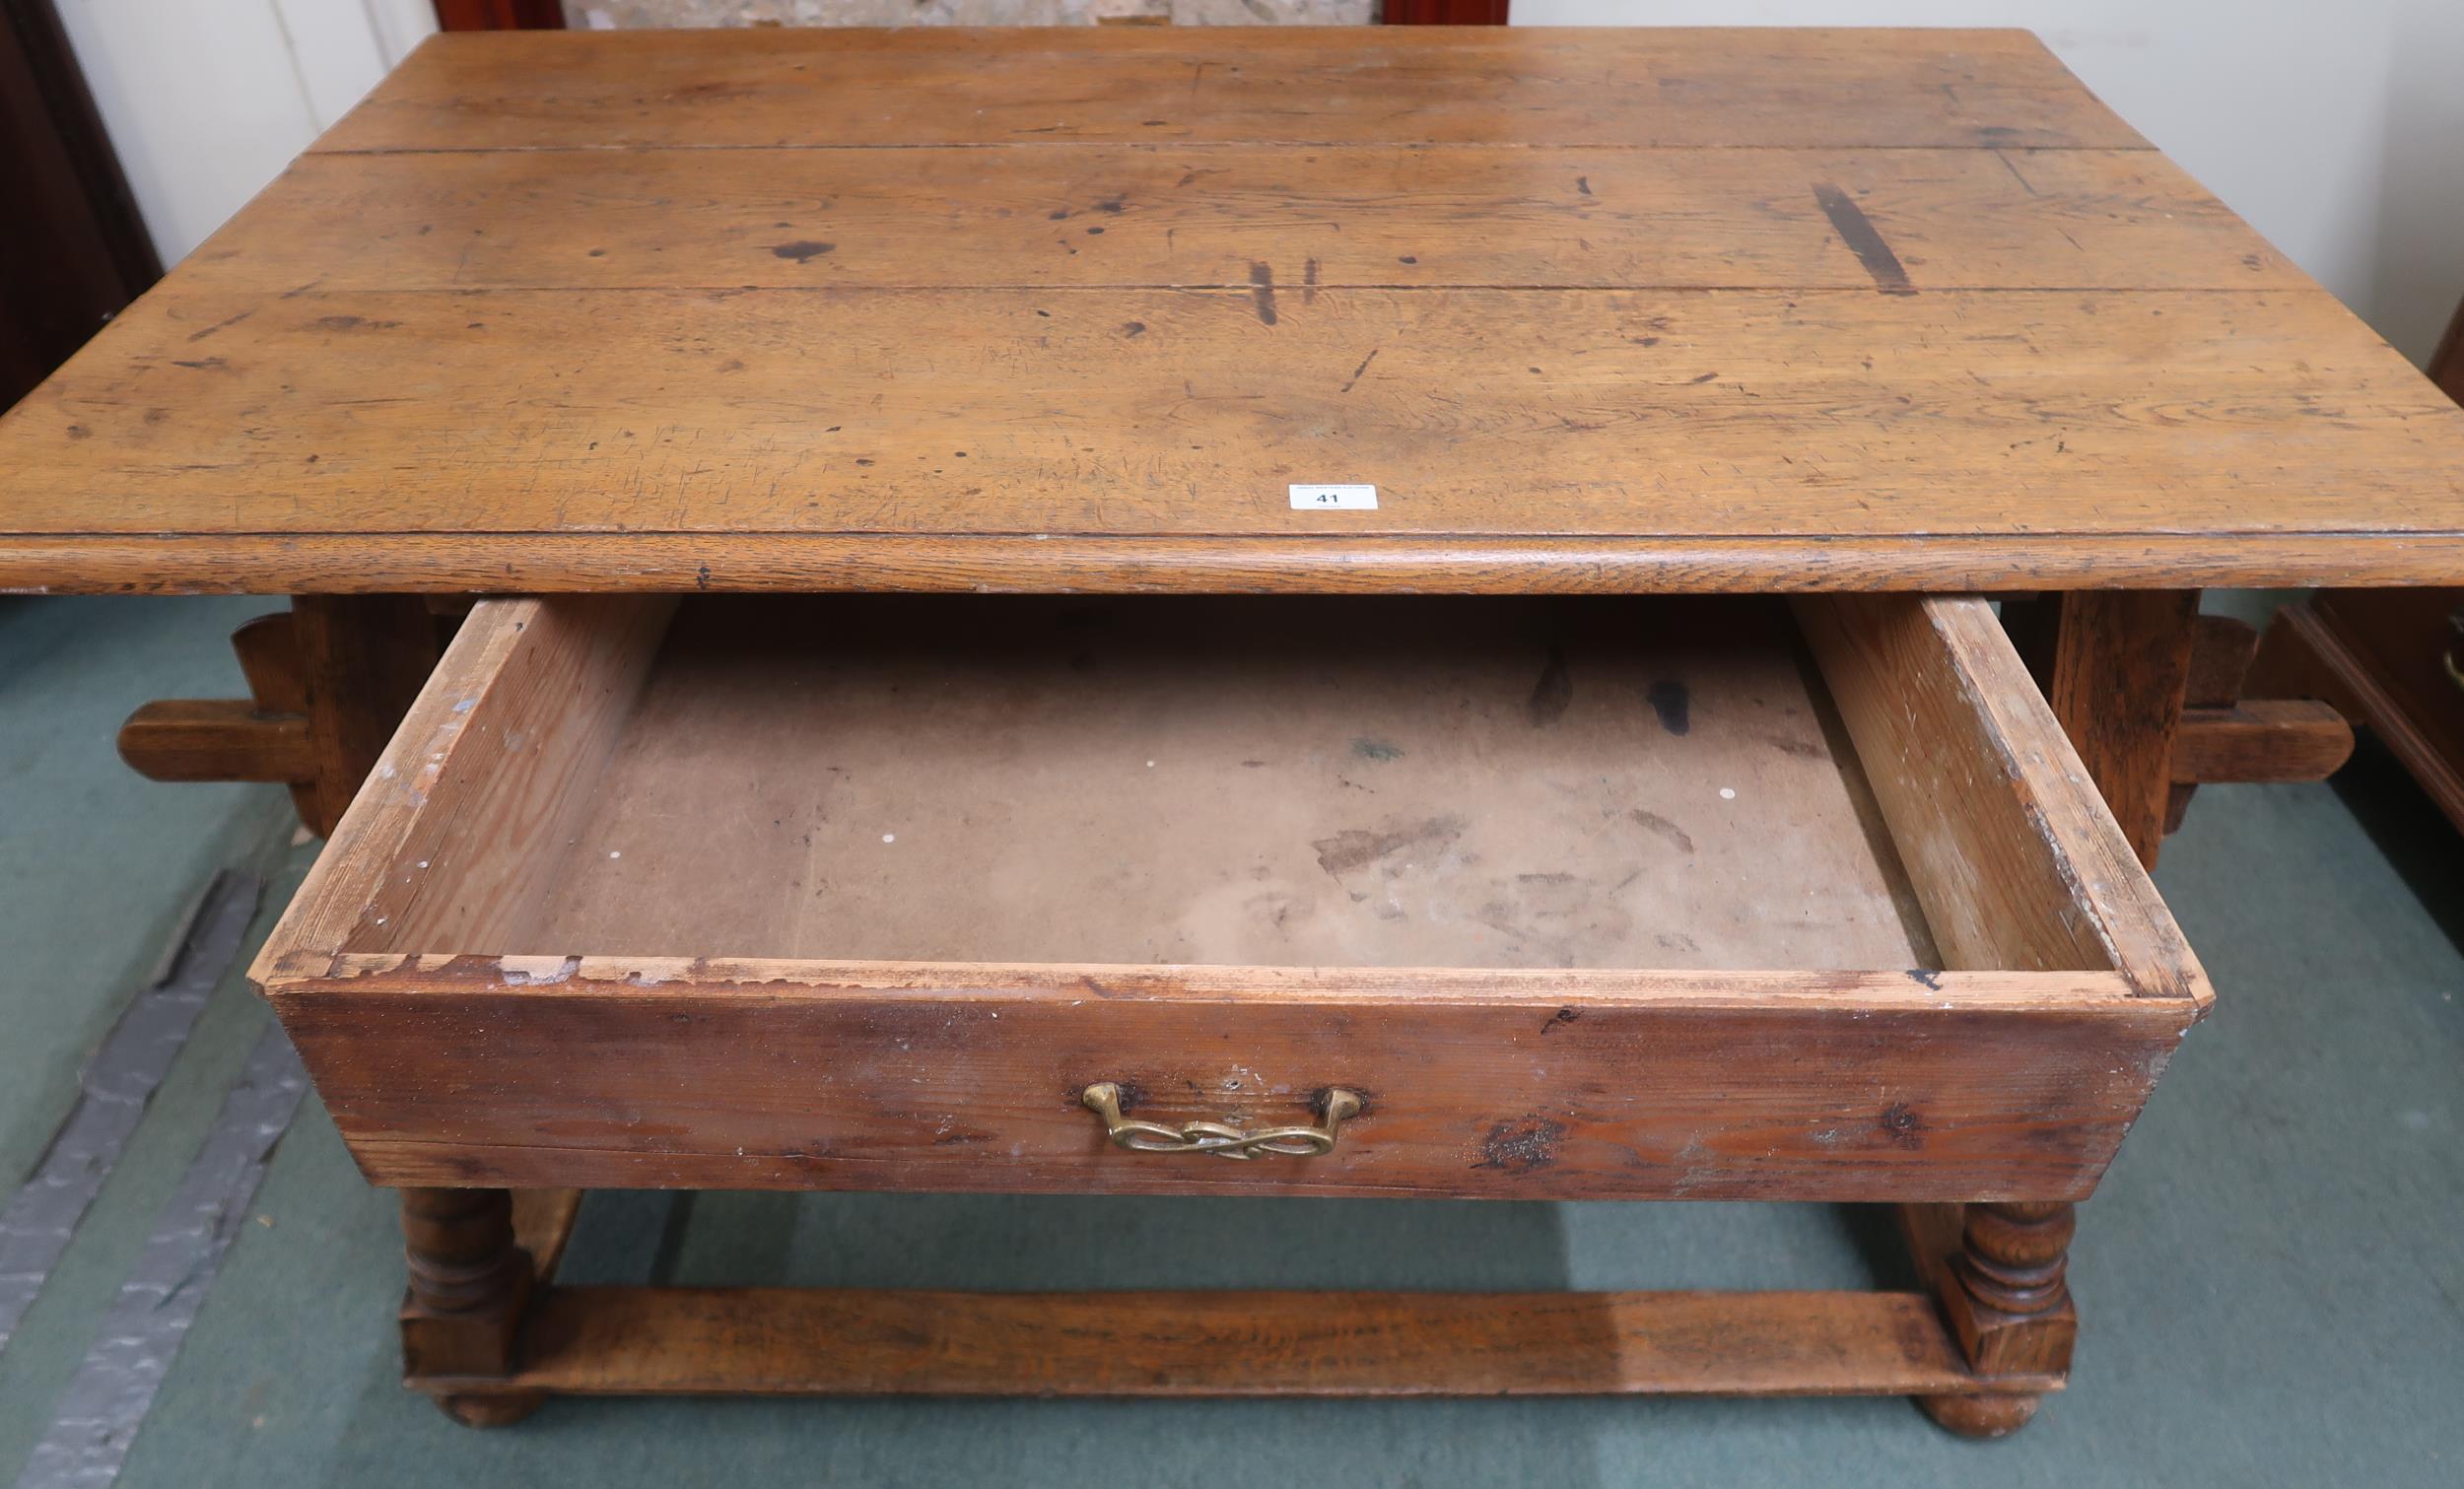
470 1283
2005 1297
2115 667
362 659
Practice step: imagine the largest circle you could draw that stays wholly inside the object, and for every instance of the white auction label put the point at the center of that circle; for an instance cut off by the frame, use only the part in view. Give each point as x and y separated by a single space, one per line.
1323 498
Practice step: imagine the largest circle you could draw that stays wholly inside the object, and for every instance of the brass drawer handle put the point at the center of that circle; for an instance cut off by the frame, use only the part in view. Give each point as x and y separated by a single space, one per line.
1104 1098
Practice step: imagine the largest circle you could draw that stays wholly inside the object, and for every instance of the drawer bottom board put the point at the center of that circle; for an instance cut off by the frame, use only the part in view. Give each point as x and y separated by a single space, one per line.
1235 783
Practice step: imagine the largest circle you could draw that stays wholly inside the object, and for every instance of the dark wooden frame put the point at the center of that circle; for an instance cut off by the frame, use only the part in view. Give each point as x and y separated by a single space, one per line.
501 14
77 251
2389 659
1444 13
549 14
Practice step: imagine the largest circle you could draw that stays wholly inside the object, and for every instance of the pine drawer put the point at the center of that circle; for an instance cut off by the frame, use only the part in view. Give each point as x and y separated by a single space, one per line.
1558 897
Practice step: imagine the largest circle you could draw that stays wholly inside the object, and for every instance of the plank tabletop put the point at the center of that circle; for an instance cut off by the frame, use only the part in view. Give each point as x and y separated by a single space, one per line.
1077 307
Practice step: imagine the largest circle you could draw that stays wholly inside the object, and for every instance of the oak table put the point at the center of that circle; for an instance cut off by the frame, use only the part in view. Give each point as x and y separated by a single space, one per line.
988 853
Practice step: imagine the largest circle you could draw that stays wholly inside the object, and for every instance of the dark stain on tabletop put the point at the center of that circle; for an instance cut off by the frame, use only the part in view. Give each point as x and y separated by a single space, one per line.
1377 749
1261 291
1562 1016
1864 240
1523 1147
1670 700
228 321
803 250
1925 977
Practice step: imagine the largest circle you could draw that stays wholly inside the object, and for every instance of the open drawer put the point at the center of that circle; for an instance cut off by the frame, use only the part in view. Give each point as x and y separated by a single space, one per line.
1529 897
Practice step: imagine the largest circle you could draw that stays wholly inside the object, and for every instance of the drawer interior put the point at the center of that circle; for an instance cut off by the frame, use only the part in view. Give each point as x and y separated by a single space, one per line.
1183 780
1679 784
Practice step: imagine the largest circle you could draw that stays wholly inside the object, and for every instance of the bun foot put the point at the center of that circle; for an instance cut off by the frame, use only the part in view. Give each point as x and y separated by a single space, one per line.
501 1410
1980 1415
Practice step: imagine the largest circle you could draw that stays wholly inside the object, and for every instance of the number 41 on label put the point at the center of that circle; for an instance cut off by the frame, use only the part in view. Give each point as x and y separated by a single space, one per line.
1338 497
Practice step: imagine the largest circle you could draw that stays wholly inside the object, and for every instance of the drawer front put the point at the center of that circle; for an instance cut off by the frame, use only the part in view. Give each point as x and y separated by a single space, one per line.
1725 1090
450 1053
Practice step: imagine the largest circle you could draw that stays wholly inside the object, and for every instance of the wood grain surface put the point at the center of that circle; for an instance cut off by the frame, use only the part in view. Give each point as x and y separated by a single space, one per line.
217 739
1710 1088
2264 739
916 414
1618 310
1991 807
362 661
684 1342
2116 675
1083 216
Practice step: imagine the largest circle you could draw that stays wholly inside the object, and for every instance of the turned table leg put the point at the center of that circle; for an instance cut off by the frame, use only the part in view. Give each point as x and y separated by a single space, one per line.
469 1284
2004 1296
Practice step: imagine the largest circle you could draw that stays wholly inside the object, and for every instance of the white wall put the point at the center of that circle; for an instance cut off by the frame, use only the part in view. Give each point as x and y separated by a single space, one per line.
206 101
2335 126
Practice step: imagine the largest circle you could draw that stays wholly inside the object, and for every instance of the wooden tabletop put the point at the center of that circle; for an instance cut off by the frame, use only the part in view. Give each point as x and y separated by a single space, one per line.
1074 308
